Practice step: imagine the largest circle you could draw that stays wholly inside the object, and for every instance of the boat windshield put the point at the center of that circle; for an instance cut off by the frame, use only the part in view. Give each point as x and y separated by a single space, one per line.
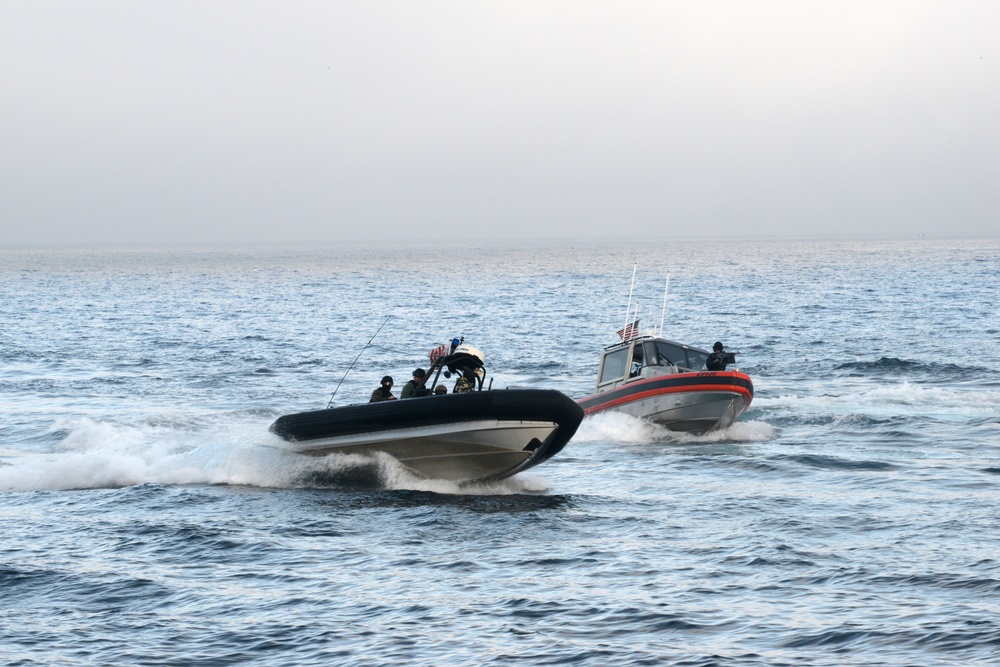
681 356
613 367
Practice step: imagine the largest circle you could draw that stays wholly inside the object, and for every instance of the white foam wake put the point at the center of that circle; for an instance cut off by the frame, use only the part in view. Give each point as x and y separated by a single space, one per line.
622 428
104 455
904 399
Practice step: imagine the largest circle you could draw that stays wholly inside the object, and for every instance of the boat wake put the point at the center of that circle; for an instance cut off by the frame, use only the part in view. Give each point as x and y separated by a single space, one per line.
900 400
91 454
619 427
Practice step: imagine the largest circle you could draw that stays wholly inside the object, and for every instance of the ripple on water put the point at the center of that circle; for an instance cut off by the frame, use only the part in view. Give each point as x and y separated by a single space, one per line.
848 518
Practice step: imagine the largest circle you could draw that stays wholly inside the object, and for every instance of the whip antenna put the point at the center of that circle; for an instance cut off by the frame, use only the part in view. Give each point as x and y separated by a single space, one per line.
628 308
664 311
328 405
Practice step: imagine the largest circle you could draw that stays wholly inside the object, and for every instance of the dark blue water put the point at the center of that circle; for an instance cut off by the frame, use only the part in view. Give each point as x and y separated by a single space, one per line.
851 517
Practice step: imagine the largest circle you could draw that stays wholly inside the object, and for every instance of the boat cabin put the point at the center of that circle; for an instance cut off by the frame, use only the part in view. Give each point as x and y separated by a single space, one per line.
646 357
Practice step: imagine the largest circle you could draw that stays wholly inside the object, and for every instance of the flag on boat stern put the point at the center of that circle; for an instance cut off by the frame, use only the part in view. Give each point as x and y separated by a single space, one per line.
629 331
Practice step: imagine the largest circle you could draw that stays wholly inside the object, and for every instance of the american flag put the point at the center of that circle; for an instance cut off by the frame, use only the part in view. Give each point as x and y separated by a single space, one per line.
437 353
629 331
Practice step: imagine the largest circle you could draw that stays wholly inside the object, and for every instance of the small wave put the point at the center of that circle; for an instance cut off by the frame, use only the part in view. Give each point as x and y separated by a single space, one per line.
884 364
144 362
11 577
930 372
835 463
828 638
478 503
943 580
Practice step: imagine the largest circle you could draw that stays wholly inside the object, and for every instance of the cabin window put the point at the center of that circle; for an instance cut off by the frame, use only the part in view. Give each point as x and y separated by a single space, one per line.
636 366
614 366
651 357
696 360
671 354
680 356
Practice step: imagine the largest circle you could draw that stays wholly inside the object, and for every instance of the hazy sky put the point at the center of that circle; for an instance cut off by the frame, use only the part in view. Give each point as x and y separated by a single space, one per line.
140 122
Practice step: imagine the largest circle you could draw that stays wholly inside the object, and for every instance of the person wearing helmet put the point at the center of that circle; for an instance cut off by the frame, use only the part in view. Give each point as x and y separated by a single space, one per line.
718 359
384 391
409 387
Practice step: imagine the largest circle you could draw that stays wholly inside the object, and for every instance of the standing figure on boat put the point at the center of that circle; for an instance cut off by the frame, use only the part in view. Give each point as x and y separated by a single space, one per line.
466 382
384 391
718 359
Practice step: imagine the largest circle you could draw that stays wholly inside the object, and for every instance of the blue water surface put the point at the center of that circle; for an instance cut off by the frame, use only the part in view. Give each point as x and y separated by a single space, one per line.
850 517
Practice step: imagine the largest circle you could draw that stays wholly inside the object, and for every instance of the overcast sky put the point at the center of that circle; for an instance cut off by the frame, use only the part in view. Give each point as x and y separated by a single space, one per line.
139 122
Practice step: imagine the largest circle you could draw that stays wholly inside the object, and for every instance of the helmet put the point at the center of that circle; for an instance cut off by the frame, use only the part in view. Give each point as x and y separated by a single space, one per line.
387 379
718 347
472 352
419 373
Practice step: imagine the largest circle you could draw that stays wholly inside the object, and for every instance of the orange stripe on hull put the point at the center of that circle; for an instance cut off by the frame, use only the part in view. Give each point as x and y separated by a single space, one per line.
633 397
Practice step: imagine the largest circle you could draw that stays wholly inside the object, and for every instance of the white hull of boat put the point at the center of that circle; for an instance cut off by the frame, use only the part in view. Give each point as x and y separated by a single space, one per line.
479 449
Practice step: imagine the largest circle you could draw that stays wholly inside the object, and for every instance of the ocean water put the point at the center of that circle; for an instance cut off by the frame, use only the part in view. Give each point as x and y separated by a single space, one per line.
850 517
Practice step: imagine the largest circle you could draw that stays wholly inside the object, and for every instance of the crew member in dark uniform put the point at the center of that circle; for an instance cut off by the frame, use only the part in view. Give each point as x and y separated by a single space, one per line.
408 388
718 359
384 391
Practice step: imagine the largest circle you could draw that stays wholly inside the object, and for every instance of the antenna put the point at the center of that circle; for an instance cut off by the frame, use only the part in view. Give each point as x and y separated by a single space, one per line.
664 311
354 362
628 308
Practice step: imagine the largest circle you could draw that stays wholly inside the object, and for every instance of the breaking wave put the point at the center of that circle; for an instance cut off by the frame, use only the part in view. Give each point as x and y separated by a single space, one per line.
916 370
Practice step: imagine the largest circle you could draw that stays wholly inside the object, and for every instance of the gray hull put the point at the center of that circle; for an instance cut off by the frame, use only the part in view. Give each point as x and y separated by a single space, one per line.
483 449
690 413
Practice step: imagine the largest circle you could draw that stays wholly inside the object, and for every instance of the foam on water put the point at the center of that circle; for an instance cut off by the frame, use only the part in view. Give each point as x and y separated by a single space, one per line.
618 427
101 455
903 399
626 429
105 455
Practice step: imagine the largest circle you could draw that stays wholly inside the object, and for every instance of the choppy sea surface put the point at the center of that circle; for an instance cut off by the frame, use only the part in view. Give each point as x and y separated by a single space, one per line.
850 517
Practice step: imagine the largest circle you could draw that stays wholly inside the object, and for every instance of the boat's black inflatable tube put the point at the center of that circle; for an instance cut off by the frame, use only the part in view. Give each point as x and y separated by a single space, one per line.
502 404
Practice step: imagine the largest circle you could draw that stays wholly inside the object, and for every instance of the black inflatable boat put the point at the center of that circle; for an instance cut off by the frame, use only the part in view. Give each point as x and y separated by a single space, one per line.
478 435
